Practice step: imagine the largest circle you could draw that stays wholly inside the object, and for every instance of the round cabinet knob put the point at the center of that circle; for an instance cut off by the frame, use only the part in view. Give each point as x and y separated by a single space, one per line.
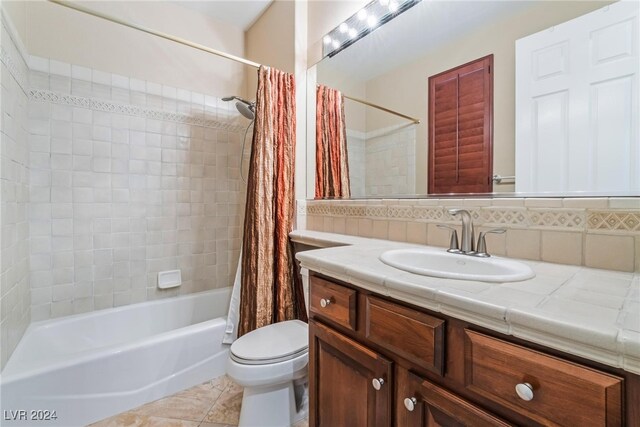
410 403
524 391
324 302
377 383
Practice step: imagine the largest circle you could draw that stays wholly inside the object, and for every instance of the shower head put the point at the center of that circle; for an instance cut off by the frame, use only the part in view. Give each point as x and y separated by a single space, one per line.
246 108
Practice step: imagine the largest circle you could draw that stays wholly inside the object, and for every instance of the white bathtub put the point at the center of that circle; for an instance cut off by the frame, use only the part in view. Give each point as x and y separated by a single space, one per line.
90 366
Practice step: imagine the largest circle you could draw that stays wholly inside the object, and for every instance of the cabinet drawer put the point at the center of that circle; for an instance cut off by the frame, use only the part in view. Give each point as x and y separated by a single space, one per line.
563 393
423 403
415 336
333 302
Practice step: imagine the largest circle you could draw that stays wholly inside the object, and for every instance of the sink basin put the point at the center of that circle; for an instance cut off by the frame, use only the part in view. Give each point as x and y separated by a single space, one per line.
439 263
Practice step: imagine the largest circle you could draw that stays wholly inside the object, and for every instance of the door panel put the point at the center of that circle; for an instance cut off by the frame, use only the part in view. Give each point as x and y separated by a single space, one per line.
577 108
460 129
340 380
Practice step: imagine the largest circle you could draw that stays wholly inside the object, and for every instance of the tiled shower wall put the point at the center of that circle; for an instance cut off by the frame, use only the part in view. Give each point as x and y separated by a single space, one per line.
356 142
390 162
382 162
128 178
14 196
595 232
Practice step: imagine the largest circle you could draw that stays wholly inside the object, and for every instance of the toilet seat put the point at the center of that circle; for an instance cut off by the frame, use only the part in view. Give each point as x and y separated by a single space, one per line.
272 344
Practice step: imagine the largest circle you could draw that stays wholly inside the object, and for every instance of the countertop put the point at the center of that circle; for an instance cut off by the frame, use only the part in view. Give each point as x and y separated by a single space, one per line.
583 311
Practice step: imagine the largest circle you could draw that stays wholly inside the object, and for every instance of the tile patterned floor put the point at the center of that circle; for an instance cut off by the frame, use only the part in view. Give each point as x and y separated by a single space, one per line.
215 403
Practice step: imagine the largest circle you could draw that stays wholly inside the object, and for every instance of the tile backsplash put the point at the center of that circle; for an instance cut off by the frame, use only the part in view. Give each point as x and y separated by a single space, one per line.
105 181
14 197
382 161
595 232
128 178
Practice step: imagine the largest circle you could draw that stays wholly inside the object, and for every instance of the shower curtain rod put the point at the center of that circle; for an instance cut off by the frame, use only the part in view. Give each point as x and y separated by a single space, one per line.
379 107
155 33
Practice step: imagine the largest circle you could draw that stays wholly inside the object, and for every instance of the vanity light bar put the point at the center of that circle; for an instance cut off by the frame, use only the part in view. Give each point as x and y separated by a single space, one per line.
366 20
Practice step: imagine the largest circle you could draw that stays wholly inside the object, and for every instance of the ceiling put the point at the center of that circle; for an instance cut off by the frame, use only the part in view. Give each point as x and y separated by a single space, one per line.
413 34
240 13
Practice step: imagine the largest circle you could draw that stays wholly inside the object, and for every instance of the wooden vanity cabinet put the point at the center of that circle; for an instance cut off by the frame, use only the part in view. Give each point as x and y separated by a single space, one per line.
351 385
422 403
374 361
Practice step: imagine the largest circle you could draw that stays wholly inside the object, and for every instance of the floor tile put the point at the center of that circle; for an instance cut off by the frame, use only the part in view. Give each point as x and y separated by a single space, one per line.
129 419
190 408
226 410
215 403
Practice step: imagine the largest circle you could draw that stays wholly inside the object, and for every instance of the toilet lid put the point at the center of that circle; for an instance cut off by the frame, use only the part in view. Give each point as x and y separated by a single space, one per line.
278 341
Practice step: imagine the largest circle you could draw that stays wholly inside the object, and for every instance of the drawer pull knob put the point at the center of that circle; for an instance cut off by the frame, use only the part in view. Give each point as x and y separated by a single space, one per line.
410 403
525 391
324 302
377 383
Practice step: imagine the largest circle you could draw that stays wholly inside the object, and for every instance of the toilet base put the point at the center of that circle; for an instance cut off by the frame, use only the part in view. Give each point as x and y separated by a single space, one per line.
271 406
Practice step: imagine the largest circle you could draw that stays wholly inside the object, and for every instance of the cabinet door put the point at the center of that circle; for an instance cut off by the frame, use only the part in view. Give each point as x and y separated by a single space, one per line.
349 384
423 403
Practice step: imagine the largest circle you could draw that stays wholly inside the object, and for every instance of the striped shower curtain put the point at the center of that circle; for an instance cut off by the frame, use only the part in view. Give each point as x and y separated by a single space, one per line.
271 287
332 162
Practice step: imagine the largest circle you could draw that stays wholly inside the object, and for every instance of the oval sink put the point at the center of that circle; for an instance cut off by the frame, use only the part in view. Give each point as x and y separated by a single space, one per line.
439 263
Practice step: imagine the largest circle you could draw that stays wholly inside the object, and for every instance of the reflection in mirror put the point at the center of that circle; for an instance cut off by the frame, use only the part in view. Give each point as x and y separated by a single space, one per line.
562 124
332 168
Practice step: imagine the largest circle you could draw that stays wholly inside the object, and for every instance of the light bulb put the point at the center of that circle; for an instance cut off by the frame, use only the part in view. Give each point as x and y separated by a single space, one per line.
327 40
352 32
372 21
393 7
344 27
362 14
384 2
336 44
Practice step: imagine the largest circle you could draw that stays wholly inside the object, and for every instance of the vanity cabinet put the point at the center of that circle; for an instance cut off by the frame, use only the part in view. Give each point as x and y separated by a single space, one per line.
375 361
429 405
351 384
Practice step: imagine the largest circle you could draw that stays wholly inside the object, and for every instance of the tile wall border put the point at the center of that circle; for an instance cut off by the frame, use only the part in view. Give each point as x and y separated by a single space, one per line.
517 216
128 109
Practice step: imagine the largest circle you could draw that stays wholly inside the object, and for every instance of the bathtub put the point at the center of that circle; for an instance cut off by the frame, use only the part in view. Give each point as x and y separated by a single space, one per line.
90 366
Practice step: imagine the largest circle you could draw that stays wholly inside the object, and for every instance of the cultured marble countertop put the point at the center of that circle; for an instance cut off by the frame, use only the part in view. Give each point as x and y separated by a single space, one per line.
583 311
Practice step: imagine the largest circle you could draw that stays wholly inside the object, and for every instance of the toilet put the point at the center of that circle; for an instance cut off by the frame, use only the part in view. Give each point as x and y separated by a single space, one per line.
271 364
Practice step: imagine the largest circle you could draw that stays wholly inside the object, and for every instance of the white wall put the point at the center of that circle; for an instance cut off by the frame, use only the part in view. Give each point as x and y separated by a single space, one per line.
270 41
53 31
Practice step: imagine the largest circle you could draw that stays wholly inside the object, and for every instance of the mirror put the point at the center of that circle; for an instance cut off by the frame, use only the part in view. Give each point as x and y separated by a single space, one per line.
388 155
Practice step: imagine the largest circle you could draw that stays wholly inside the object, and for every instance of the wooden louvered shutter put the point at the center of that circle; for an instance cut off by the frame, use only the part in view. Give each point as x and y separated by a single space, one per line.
461 129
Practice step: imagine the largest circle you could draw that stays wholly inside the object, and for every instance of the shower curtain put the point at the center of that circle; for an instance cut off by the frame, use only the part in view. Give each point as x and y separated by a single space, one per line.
332 162
271 286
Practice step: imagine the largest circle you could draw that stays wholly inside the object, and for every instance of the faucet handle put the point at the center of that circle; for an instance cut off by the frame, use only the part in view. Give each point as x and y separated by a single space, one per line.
453 243
481 249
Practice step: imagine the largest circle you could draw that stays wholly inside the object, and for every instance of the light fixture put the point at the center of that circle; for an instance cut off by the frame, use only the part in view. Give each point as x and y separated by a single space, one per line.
372 16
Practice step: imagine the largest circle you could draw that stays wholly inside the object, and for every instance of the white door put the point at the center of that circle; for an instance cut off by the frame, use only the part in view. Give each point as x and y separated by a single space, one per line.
577 105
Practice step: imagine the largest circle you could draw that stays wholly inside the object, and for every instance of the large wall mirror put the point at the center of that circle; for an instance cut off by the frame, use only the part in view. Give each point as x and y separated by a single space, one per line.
518 97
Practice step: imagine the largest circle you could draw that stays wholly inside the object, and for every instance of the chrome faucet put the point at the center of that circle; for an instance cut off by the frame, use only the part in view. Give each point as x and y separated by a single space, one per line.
466 243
